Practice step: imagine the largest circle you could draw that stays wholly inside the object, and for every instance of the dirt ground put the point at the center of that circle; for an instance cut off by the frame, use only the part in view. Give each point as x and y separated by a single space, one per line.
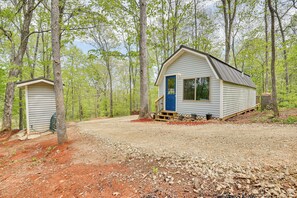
119 158
236 143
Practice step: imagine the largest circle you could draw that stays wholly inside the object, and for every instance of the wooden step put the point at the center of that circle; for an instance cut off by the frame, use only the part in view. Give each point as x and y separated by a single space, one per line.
165 116
170 113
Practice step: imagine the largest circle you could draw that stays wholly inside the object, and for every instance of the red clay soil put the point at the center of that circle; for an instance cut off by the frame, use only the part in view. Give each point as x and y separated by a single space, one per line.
37 168
143 120
5 135
189 123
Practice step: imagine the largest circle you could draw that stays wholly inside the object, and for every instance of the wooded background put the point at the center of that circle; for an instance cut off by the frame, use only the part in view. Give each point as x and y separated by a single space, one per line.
105 80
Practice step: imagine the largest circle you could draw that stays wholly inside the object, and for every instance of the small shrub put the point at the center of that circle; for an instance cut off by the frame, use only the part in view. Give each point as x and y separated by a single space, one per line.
290 120
34 159
155 170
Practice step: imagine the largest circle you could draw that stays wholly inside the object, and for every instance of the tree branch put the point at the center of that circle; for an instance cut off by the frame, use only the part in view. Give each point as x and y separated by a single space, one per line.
7 33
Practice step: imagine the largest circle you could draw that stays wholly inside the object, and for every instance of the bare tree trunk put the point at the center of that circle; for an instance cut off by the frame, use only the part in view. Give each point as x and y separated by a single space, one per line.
58 84
130 79
97 111
66 103
144 100
175 25
273 78
80 108
21 113
195 26
229 16
233 51
105 96
35 56
17 59
266 49
110 87
72 98
284 45
165 51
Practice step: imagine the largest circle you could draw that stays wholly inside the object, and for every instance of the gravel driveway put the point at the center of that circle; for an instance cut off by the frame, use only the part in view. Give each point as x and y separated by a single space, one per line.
226 143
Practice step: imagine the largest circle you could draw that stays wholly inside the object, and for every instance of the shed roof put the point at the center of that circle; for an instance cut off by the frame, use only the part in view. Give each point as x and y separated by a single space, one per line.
34 81
223 70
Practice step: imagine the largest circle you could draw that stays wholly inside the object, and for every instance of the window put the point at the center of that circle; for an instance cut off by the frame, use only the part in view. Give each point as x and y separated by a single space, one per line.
202 88
189 89
196 89
171 86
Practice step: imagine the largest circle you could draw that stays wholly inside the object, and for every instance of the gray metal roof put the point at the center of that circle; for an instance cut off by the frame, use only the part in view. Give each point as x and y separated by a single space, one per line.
224 71
230 74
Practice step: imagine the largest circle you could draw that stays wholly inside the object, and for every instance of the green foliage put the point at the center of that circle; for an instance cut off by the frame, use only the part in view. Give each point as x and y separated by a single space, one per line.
155 170
114 33
290 120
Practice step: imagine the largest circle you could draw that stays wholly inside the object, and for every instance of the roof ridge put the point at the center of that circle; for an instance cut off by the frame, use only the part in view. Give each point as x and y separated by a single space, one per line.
229 65
205 53
34 79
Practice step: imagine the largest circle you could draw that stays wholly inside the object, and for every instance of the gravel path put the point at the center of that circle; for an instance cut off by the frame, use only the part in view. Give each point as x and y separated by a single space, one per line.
226 143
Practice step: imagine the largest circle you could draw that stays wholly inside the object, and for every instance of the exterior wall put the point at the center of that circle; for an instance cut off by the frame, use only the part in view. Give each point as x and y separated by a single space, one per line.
237 98
193 66
41 106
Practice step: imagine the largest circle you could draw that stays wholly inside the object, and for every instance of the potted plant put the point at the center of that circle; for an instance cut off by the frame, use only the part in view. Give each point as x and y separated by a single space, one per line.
208 116
180 117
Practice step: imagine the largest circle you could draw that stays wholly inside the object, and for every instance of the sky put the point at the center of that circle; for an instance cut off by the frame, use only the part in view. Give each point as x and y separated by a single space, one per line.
85 47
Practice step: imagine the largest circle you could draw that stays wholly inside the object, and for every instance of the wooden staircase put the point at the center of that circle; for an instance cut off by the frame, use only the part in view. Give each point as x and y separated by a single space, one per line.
165 115
161 114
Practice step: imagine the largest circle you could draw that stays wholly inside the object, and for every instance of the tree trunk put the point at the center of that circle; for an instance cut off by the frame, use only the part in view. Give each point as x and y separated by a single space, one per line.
35 56
58 84
80 108
97 112
195 26
165 54
21 113
273 78
72 100
144 101
110 87
266 49
229 16
17 61
130 79
284 45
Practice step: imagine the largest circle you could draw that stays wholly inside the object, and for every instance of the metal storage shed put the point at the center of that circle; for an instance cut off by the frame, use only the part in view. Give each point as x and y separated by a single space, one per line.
40 103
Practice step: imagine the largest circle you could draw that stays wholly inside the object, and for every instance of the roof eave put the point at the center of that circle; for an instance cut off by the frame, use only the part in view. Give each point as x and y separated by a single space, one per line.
32 82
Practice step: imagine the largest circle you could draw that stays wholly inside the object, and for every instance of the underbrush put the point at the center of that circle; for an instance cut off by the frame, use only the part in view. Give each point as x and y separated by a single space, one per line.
287 116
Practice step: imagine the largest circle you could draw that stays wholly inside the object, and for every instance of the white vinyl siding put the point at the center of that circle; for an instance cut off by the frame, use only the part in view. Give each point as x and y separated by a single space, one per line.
192 66
42 105
237 98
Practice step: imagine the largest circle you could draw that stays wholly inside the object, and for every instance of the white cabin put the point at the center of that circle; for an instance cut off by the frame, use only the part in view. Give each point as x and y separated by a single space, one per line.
40 103
194 82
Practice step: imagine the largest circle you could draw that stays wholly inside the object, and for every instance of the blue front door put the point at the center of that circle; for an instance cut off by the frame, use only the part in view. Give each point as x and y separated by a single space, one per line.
170 93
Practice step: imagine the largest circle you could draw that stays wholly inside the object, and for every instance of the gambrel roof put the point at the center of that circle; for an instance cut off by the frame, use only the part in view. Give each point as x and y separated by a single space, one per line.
222 70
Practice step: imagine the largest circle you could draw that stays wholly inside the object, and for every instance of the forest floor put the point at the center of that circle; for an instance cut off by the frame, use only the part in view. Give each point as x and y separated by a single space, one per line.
119 158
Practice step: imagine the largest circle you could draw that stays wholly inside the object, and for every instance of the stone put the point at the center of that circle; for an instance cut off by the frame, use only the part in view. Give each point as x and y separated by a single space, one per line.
116 193
196 183
33 136
290 191
255 192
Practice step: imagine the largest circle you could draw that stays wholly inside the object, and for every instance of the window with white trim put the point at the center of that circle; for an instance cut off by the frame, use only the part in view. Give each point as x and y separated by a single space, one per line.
196 88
